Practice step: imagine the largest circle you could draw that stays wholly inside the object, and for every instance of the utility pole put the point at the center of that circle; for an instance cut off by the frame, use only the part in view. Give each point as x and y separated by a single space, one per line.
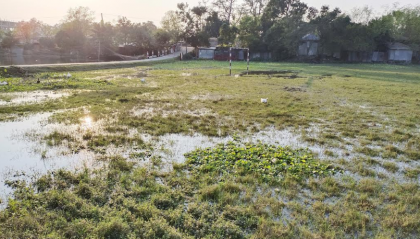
100 36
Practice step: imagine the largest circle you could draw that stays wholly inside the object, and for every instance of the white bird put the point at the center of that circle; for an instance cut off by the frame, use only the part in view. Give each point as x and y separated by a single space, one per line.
68 75
143 80
3 83
264 101
236 76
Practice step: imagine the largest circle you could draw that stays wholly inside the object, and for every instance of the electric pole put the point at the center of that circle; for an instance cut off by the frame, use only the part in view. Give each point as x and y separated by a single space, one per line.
100 36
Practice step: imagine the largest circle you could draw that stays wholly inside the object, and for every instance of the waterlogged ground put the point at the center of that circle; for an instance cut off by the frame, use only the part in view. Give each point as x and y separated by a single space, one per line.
124 134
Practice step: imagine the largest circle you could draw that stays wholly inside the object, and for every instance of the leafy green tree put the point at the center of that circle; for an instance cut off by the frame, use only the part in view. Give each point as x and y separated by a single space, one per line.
70 39
226 9
28 31
8 41
284 37
124 29
250 32
213 24
75 30
80 18
193 32
254 7
278 9
331 27
228 34
162 37
47 42
172 24
143 36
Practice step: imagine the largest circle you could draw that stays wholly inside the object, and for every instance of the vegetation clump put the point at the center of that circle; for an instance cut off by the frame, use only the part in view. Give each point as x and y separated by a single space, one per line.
267 162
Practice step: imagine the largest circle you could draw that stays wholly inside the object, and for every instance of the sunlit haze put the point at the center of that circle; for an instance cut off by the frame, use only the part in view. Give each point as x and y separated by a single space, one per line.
52 11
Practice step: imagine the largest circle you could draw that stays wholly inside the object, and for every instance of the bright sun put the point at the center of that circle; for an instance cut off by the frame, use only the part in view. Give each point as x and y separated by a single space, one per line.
88 121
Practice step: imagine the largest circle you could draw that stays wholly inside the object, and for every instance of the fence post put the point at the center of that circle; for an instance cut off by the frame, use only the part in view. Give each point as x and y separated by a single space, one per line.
247 63
230 61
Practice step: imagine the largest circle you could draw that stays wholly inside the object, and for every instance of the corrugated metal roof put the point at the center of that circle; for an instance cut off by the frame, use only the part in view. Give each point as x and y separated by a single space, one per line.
310 37
398 46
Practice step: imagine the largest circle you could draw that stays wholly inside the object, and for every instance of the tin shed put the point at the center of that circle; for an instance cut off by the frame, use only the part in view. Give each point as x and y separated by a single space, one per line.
398 52
308 45
206 53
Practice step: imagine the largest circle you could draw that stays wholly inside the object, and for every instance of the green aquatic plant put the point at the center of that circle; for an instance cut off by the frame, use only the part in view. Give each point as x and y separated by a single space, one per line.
266 162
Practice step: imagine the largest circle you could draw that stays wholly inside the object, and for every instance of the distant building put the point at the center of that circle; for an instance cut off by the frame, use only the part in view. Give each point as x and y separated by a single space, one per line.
308 46
206 53
260 55
222 54
7 25
398 52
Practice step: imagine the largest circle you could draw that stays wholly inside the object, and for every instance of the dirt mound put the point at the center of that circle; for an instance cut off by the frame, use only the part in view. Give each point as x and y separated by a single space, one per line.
294 89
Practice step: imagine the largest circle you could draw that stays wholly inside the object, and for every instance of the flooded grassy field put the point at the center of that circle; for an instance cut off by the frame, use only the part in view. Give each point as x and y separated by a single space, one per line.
183 150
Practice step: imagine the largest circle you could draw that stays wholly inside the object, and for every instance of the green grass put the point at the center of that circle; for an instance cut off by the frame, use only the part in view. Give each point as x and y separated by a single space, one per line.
364 117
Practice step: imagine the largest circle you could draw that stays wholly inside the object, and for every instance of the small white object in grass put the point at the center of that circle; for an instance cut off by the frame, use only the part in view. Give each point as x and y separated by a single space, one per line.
4 83
143 80
68 75
236 76
264 101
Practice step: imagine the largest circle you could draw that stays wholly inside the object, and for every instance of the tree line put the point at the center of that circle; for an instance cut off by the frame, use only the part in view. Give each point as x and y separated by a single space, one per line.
261 25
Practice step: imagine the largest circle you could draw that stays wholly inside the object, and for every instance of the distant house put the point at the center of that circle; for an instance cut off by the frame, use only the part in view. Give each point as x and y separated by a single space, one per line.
206 53
7 25
308 46
398 52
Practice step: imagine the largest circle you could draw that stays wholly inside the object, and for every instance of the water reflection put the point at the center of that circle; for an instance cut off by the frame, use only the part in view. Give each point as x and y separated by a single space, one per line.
20 153
87 122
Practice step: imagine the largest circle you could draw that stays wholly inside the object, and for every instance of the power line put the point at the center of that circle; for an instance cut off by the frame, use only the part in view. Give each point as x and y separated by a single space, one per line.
141 18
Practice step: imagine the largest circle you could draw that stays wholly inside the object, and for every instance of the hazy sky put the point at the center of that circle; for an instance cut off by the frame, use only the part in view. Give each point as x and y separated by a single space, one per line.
52 11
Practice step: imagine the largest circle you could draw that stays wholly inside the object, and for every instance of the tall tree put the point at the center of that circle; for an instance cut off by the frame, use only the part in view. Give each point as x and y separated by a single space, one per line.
254 7
331 27
250 32
226 9
277 9
124 28
172 24
143 36
80 18
228 34
193 31
28 31
8 40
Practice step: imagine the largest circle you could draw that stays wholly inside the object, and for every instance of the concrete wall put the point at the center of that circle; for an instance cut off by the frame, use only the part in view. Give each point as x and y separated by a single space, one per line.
355 56
378 57
400 55
264 56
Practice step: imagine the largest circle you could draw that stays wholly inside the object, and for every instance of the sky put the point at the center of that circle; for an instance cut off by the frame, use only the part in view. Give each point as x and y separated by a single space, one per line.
52 11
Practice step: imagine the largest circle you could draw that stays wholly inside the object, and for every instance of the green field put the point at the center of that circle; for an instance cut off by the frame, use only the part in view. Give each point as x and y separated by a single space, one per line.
358 179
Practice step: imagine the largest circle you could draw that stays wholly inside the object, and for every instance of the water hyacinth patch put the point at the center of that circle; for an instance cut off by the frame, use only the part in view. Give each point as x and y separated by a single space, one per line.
266 162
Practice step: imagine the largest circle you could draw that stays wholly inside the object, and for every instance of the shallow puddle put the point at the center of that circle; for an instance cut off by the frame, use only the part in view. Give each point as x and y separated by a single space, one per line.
33 97
174 146
19 153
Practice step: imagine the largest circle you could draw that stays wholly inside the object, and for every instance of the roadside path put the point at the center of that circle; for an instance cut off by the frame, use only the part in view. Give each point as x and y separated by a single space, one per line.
108 63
